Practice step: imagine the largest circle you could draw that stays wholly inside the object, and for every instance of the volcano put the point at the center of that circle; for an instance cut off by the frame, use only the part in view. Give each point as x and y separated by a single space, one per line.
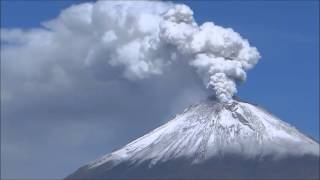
213 140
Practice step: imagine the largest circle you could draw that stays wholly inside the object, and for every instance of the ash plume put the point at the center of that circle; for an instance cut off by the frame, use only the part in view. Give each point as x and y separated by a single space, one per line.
220 55
137 40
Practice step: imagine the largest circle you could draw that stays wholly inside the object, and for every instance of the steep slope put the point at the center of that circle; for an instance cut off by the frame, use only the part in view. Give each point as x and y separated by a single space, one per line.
213 140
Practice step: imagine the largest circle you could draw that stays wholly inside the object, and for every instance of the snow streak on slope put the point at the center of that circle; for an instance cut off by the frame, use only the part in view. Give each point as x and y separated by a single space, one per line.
213 129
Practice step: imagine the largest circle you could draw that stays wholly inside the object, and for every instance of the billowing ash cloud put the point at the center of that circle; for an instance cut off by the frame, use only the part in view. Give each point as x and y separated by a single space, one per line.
126 34
220 55
136 40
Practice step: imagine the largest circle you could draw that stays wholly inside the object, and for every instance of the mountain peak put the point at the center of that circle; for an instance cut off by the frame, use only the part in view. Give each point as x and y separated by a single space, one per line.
206 131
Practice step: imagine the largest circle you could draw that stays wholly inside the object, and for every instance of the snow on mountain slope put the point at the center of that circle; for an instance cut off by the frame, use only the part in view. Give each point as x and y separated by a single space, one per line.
212 129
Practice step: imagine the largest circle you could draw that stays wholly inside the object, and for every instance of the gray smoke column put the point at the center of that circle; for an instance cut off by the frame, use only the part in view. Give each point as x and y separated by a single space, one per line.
220 55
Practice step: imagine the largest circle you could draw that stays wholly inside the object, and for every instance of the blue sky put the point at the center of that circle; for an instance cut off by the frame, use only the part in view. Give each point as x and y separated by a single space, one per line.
285 82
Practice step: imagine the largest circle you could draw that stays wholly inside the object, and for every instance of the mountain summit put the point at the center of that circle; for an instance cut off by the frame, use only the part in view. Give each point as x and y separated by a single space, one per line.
213 140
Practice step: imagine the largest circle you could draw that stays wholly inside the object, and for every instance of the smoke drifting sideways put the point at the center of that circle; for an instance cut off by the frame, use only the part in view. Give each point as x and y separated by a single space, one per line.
140 39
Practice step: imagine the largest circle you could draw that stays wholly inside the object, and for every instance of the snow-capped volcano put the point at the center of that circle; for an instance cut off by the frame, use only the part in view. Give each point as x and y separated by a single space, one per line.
213 140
